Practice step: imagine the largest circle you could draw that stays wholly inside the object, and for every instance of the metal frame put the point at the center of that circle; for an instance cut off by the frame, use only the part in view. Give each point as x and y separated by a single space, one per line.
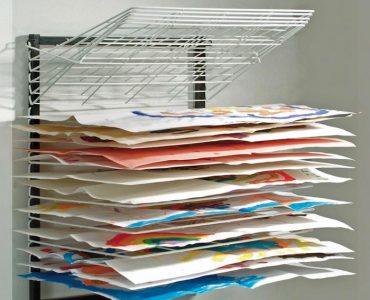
34 109
148 47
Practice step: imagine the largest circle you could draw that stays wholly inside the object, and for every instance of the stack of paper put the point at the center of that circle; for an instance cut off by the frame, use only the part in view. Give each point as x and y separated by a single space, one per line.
161 204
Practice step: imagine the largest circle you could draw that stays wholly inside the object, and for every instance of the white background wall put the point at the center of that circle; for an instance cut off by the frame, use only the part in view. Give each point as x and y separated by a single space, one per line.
6 35
325 65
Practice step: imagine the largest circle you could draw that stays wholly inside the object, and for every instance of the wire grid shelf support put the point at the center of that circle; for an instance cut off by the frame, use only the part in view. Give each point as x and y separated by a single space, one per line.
151 56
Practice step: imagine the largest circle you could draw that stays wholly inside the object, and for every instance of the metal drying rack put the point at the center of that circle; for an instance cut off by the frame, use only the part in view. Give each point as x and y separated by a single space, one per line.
145 57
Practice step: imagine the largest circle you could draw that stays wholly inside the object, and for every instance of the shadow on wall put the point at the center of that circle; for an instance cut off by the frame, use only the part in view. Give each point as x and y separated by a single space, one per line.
20 193
6 84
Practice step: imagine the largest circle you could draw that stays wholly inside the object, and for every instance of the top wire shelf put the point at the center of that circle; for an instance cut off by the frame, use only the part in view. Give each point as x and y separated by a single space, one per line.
159 56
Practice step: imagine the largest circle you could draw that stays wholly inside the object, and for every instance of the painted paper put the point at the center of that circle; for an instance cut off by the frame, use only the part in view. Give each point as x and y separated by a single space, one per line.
107 274
136 218
175 265
251 279
154 119
136 177
186 236
147 203
290 132
64 129
100 161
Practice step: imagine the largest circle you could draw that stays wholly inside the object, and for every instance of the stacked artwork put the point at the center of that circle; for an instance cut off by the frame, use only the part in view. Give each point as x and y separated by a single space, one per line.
155 204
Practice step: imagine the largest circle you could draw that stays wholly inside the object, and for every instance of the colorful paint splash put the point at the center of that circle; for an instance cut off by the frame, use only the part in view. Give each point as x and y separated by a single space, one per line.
171 291
277 112
217 204
62 206
152 238
162 220
261 177
97 270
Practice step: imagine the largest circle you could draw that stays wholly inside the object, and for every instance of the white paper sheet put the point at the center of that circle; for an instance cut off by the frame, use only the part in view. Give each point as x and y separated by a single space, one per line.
186 236
135 177
290 132
187 264
83 161
154 119
134 218
243 278
107 274
184 189
118 280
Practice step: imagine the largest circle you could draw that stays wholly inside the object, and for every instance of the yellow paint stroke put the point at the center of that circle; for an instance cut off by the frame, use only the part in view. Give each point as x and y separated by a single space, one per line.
62 206
220 257
191 255
246 256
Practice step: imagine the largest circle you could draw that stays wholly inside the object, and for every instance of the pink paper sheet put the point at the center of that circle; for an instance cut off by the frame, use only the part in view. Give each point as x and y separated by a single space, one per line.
133 158
241 159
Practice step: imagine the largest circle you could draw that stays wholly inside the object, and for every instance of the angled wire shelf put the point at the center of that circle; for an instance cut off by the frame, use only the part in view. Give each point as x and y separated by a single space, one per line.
155 56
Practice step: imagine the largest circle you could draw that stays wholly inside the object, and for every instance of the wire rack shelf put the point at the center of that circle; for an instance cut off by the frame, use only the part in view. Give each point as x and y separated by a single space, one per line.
150 56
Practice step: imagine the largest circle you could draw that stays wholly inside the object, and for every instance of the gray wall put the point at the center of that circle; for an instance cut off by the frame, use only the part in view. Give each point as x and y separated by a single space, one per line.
326 65
6 36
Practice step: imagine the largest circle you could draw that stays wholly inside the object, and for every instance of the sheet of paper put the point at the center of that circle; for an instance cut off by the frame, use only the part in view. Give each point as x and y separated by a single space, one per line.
60 130
99 161
204 234
170 226
74 252
154 119
66 255
135 218
132 158
184 189
186 264
186 236
109 275
74 161
114 278
303 131
67 252
136 177
247 279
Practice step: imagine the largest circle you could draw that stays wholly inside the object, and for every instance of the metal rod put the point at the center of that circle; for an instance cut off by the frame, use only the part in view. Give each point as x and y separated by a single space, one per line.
34 109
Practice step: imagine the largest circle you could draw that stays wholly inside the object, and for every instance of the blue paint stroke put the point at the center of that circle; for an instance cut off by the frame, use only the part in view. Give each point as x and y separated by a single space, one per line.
299 206
259 207
314 112
247 245
165 219
218 212
71 257
308 204
171 291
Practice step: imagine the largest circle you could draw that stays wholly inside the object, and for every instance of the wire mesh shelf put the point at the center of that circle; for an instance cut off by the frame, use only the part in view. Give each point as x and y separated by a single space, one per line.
159 56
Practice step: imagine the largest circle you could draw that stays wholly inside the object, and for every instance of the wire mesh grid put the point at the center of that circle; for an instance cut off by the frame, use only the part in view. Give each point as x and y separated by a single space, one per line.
159 56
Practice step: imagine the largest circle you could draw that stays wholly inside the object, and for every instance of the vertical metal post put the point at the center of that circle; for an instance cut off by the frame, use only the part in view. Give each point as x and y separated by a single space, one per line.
34 109
199 88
